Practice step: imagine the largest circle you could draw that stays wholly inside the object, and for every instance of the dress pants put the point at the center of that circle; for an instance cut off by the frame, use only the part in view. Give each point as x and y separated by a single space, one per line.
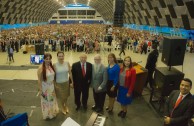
77 94
99 99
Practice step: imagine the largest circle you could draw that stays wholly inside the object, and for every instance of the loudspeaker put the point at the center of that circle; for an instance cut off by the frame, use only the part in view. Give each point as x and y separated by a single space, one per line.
119 6
39 49
118 20
166 81
173 51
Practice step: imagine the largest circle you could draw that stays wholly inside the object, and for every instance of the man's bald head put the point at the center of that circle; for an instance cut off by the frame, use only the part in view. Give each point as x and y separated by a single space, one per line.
97 59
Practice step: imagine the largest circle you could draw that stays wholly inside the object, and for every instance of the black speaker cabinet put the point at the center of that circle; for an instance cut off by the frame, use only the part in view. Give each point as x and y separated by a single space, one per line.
167 81
119 6
39 49
173 51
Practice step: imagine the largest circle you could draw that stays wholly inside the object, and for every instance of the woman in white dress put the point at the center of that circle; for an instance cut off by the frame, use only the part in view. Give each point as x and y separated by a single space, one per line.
46 75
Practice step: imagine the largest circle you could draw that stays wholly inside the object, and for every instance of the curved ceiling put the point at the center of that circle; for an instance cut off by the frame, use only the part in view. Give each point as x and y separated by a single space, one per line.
25 11
172 13
104 7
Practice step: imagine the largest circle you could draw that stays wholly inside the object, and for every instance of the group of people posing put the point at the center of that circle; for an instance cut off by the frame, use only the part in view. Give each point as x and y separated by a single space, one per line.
55 80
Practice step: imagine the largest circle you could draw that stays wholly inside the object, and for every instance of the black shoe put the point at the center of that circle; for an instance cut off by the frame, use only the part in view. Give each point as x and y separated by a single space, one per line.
94 107
85 107
77 108
98 110
120 113
123 115
110 111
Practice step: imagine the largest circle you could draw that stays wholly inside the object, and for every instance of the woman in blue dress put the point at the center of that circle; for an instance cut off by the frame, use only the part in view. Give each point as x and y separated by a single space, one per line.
127 79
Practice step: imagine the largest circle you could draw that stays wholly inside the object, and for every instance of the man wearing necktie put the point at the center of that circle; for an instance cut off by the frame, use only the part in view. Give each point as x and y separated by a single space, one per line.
179 106
82 74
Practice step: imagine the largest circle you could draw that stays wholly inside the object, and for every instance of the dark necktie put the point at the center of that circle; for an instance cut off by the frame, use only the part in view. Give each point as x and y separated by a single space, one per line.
83 70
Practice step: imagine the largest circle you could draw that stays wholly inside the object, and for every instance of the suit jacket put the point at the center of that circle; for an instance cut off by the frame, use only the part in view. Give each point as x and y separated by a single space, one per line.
78 79
183 112
151 60
99 78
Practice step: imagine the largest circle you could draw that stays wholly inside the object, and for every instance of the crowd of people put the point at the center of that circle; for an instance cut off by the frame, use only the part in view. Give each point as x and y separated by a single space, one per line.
116 81
78 37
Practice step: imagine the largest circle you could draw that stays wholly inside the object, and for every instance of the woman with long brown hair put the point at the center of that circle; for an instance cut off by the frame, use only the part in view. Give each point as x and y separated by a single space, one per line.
46 75
127 79
112 83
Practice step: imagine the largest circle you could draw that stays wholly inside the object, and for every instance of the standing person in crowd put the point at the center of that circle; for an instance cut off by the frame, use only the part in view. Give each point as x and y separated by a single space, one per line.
3 117
144 47
179 106
122 46
110 30
46 43
10 53
62 87
68 43
3 44
16 45
112 83
62 43
151 65
127 79
82 75
46 75
99 81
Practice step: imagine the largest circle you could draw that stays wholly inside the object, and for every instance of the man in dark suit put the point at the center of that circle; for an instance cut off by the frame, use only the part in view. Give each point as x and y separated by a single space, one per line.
179 107
151 65
82 74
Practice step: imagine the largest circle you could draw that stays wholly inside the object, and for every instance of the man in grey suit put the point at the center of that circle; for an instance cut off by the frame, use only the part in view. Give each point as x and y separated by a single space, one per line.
179 107
98 83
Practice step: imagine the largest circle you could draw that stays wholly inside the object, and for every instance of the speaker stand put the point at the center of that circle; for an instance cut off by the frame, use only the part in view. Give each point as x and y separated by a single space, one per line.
157 103
169 68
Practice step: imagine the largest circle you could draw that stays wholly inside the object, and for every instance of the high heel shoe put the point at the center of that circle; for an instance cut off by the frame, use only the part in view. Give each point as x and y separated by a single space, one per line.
64 112
120 113
123 115
110 110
